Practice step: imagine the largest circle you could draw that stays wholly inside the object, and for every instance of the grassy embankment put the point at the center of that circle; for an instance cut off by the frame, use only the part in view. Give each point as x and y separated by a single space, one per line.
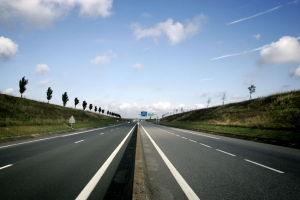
272 119
21 117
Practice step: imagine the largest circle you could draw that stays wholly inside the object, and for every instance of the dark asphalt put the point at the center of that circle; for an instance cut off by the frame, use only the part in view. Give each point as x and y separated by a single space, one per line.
215 167
59 168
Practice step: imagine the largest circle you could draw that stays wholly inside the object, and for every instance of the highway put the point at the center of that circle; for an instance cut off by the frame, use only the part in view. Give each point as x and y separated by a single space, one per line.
77 165
186 164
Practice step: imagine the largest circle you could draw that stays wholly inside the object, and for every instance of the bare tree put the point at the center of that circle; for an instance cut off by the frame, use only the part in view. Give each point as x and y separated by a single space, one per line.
224 97
208 101
251 89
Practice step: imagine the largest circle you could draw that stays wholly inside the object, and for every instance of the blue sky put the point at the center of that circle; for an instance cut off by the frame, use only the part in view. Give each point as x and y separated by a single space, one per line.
127 56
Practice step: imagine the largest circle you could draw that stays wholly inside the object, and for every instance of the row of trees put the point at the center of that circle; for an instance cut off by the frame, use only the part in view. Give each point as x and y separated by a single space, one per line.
224 97
22 85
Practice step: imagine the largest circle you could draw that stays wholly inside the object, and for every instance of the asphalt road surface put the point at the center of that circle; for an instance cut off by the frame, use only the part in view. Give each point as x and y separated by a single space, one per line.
65 166
191 165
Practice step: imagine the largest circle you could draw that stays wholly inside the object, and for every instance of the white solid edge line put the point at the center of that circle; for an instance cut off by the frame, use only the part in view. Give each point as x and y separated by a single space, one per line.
85 193
225 152
48 138
79 141
183 184
6 166
265 166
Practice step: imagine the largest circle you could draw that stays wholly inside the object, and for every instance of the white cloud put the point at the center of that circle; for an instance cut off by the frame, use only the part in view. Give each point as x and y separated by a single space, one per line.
238 97
278 47
41 69
295 72
175 31
146 49
104 58
40 13
134 109
286 49
205 94
256 15
199 106
137 66
237 54
9 91
8 48
257 36
146 15
220 94
44 82
207 79
293 2
248 81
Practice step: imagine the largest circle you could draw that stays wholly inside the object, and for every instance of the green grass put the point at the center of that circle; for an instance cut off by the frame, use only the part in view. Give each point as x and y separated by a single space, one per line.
243 132
26 117
275 117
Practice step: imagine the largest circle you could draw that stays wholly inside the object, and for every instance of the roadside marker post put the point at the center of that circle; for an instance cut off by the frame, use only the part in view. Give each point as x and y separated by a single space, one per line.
72 120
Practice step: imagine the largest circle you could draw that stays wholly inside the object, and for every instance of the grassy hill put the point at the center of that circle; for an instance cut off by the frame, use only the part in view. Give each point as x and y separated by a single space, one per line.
273 118
26 117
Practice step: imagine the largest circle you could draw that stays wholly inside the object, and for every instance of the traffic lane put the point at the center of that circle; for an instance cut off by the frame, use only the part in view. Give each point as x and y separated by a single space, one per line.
58 174
281 158
163 184
215 175
13 154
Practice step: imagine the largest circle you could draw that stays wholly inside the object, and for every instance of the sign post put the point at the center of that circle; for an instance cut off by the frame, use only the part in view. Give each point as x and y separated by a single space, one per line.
72 120
143 113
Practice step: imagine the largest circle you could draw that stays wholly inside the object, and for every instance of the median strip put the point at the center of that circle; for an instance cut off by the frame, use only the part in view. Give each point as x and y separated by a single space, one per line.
85 193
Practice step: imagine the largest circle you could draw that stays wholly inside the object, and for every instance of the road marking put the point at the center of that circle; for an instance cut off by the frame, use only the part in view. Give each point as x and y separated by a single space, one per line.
85 193
264 166
192 140
101 133
79 141
183 137
183 184
6 166
205 145
225 152
196 133
81 132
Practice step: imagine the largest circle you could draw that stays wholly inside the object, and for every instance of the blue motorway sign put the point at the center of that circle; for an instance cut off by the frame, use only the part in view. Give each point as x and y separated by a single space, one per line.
143 113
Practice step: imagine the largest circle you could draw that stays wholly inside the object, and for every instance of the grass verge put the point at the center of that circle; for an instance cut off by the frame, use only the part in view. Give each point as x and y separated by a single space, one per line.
278 137
7 133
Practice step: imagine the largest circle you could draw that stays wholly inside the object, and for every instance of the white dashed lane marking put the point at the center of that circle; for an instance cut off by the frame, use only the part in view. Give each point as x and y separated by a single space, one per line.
225 152
6 166
281 172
